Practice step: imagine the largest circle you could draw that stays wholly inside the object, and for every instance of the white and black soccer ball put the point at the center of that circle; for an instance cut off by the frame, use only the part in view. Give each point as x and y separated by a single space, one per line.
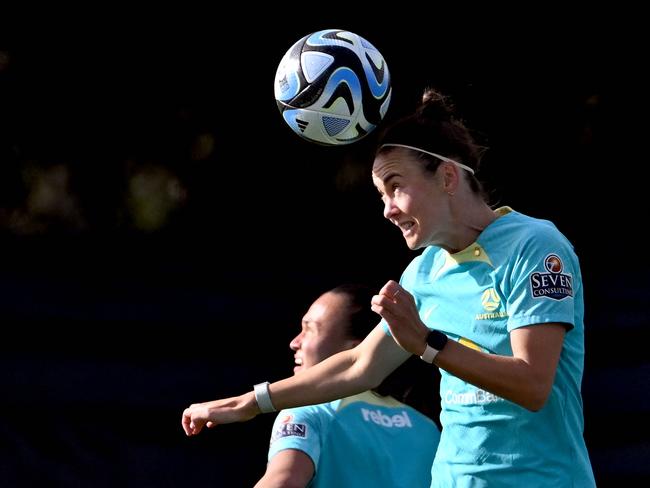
333 87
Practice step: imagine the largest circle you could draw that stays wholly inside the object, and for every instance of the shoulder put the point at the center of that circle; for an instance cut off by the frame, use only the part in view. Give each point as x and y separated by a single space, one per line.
307 414
300 422
318 409
526 234
518 224
523 245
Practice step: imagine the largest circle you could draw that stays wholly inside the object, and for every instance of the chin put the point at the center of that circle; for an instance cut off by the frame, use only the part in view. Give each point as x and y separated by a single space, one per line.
413 244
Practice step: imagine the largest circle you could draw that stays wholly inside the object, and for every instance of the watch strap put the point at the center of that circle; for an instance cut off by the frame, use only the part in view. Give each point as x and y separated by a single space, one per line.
263 397
429 354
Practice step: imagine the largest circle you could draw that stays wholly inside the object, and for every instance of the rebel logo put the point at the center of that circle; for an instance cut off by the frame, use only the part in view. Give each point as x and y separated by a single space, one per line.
553 284
380 418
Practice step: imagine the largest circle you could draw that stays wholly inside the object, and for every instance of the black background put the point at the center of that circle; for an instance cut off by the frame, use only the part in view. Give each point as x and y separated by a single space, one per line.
109 332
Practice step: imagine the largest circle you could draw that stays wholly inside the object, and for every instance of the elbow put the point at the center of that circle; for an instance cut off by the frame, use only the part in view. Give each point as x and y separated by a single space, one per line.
280 480
372 383
366 377
533 406
536 398
290 483
369 381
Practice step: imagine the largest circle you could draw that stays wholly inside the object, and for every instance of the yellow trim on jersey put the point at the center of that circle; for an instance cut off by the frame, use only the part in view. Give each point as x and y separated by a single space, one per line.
473 252
501 211
372 398
470 344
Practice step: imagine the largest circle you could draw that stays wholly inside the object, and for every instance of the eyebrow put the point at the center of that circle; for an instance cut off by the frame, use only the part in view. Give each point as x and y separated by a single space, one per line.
387 178
390 176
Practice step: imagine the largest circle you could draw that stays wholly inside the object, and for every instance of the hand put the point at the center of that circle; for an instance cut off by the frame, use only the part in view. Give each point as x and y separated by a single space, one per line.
397 307
226 411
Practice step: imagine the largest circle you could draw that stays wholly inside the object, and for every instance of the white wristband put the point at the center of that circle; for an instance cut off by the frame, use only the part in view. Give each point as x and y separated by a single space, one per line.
429 354
263 398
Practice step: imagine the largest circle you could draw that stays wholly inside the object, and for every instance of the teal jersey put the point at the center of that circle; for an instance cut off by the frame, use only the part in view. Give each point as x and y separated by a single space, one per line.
362 440
521 271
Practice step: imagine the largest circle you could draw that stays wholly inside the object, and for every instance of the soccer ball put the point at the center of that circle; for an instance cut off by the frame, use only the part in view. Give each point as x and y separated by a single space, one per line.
332 87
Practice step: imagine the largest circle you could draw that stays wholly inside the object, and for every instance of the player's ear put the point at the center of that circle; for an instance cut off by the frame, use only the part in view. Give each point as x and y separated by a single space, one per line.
450 177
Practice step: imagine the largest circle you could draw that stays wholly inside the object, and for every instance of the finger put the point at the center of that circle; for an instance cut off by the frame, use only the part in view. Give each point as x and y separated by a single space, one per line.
382 300
391 289
185 422
382 308
388 288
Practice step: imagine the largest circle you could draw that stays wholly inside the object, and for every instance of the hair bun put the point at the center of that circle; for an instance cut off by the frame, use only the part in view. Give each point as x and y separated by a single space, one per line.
435 106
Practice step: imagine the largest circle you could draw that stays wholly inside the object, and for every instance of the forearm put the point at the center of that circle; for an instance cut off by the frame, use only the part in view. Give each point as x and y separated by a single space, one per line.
341 375
284 479
336 377
505 376
525 378
290 468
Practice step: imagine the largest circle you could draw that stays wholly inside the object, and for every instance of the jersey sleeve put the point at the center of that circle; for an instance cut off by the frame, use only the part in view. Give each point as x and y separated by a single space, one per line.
544 281
298 428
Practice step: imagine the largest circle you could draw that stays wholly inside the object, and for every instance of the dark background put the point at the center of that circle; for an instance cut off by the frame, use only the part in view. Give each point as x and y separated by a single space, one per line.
163 231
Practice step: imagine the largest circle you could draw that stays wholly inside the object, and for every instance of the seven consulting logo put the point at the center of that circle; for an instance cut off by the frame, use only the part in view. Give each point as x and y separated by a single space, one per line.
552 284
287 428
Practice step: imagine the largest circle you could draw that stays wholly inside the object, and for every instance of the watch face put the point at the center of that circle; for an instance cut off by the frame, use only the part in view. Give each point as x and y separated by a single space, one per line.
437 340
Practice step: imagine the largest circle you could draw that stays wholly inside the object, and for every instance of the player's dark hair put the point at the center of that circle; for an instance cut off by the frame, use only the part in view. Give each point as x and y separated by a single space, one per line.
415 382
361 318
435 128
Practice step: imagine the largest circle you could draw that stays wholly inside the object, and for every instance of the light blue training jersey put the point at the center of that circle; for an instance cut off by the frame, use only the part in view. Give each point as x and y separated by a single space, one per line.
362 440
520 271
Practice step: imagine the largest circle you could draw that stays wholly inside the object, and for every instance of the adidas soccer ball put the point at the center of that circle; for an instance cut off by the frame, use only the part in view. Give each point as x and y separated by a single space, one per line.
332 87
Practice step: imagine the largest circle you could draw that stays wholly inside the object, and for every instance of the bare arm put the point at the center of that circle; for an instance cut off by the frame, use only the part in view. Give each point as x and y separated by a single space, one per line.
343 374
525 378
290 468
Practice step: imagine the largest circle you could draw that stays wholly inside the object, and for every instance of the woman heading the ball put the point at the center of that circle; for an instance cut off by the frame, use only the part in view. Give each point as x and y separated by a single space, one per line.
495 300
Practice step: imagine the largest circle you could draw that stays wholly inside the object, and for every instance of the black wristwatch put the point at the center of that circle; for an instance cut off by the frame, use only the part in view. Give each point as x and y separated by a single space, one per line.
436 342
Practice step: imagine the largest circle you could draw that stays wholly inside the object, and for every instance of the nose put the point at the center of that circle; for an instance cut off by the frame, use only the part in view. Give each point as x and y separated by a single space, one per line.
294 345
389 208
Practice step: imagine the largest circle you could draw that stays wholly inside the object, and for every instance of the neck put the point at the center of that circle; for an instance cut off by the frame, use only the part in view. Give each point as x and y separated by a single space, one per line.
484 217
468 224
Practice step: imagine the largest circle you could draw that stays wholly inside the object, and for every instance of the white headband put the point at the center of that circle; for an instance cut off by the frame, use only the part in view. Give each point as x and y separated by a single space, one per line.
442 158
